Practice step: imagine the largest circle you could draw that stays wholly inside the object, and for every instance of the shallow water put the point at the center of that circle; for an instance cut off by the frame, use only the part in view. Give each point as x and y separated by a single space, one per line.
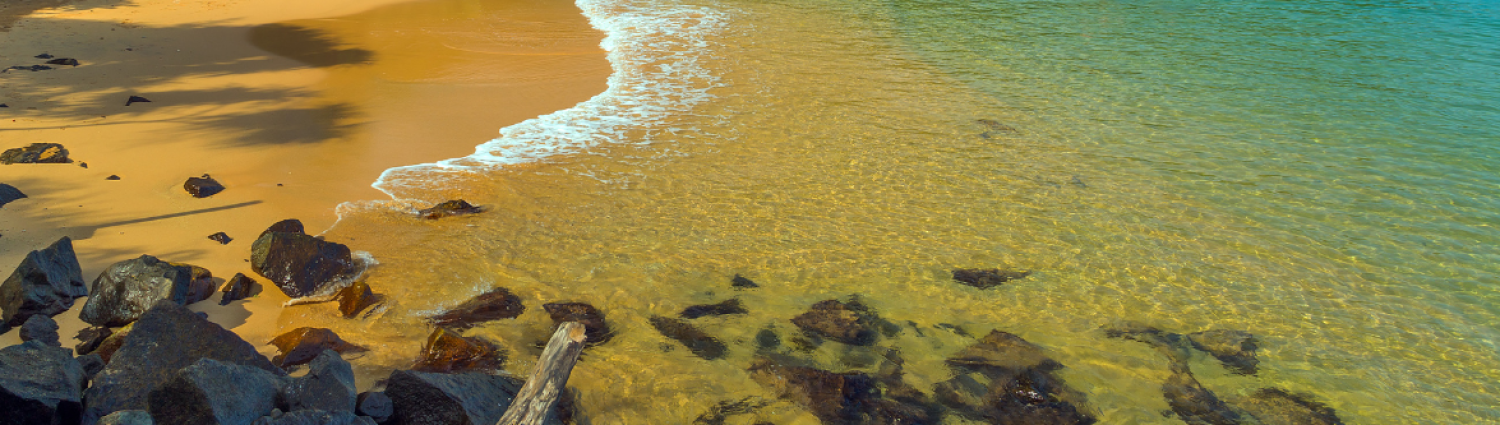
1320 174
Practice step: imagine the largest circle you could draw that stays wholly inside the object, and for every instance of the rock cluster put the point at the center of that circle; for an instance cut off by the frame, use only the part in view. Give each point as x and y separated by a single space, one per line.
36 153
202 187
128 288
986 278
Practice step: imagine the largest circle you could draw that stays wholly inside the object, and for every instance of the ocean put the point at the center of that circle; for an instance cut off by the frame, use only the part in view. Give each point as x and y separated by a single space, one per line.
1322 174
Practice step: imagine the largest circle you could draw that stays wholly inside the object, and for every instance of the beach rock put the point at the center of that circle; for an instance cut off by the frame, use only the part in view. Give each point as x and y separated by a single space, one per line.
446 352
128 288
840 322
1235 349
202 286
721 412
43 56
92 364
214 392
1275 406
314 417
1022 388
301 265
1001 353
221 237
840 398
421 398
1174 346
700 343
127 417
113 342
355 297
449 209
986 278
39 384
42 329
90 337
63 61
592 319
202 187
32 68
962 393
328 386
46 283
496 304
730 306
83 165
112 177
136 99
167 338
238 288
742 283
36 153
9 194
374 404
302 345
290 225
1196 405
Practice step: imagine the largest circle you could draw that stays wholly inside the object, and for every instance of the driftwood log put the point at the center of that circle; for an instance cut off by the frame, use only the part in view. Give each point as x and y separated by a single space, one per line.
545 385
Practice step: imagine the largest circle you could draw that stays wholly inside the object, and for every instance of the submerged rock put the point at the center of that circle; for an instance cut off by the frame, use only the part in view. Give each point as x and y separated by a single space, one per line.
1235 349
841 398
742 282
355 297
1275 406
1022 388
128 288
202 187
1002 353
167 338
730 306
700 343
1196 405
1173 346
9 193
449 209
328 386
592 319
42 329
221 237
214 392
302 345
39 384
840 322
498 303
446 352
421 398
238 288
301 265
46 283
986 278
36 153
113 342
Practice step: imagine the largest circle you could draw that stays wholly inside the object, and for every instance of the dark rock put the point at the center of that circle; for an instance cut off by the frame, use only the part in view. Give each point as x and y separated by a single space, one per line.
32 68
46 283
112 177
301 265
89 339
374 404
700 343
328 386
92 364
39 384
767 339
1022 388
449 209
221 237
202 287
447 352
840 398
302 345
202 187
421 398
742 282
214 392
127 417
9 193
356 297
496 304
63 61
167 338
2 105
986 278
113 342
290 225
962 393
1173 346
722 411
840 322
1033 397
36 153
731 306
238 288
592 319
314 417
1001 353
42 329
128 288
1275 406
1196 405
136 99
1235 349
43 56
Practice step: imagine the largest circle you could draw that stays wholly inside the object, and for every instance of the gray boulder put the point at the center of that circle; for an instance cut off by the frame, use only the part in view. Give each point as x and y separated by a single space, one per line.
167 338
127 417
41 328
214 392
128 288
421 398
301 265
46 283
92 364
328 386
39 384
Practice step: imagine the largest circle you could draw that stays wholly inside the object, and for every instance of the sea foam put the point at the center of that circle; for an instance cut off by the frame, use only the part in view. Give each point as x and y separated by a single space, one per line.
653 51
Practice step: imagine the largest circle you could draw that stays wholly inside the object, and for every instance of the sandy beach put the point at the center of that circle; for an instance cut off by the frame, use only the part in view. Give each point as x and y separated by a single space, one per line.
294 106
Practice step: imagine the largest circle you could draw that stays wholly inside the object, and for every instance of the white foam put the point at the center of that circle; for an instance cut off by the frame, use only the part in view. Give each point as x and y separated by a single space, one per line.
653 51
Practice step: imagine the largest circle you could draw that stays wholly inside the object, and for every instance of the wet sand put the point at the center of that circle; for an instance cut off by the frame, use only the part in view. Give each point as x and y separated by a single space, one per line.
294 107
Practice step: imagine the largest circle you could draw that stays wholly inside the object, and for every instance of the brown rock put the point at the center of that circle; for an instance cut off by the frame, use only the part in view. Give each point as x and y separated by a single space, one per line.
36 153
1003 352
238 288
496 304
449 209
986 278
841 398
840 322
448 352
1275 406
302 345
592 319
1235 349
356 297
697 341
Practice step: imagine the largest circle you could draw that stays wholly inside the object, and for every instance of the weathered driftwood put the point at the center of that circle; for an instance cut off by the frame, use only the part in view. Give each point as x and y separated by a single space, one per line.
545 385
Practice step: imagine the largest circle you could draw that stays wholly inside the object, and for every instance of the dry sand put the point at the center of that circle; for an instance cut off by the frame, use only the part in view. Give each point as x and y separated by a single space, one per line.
294 105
